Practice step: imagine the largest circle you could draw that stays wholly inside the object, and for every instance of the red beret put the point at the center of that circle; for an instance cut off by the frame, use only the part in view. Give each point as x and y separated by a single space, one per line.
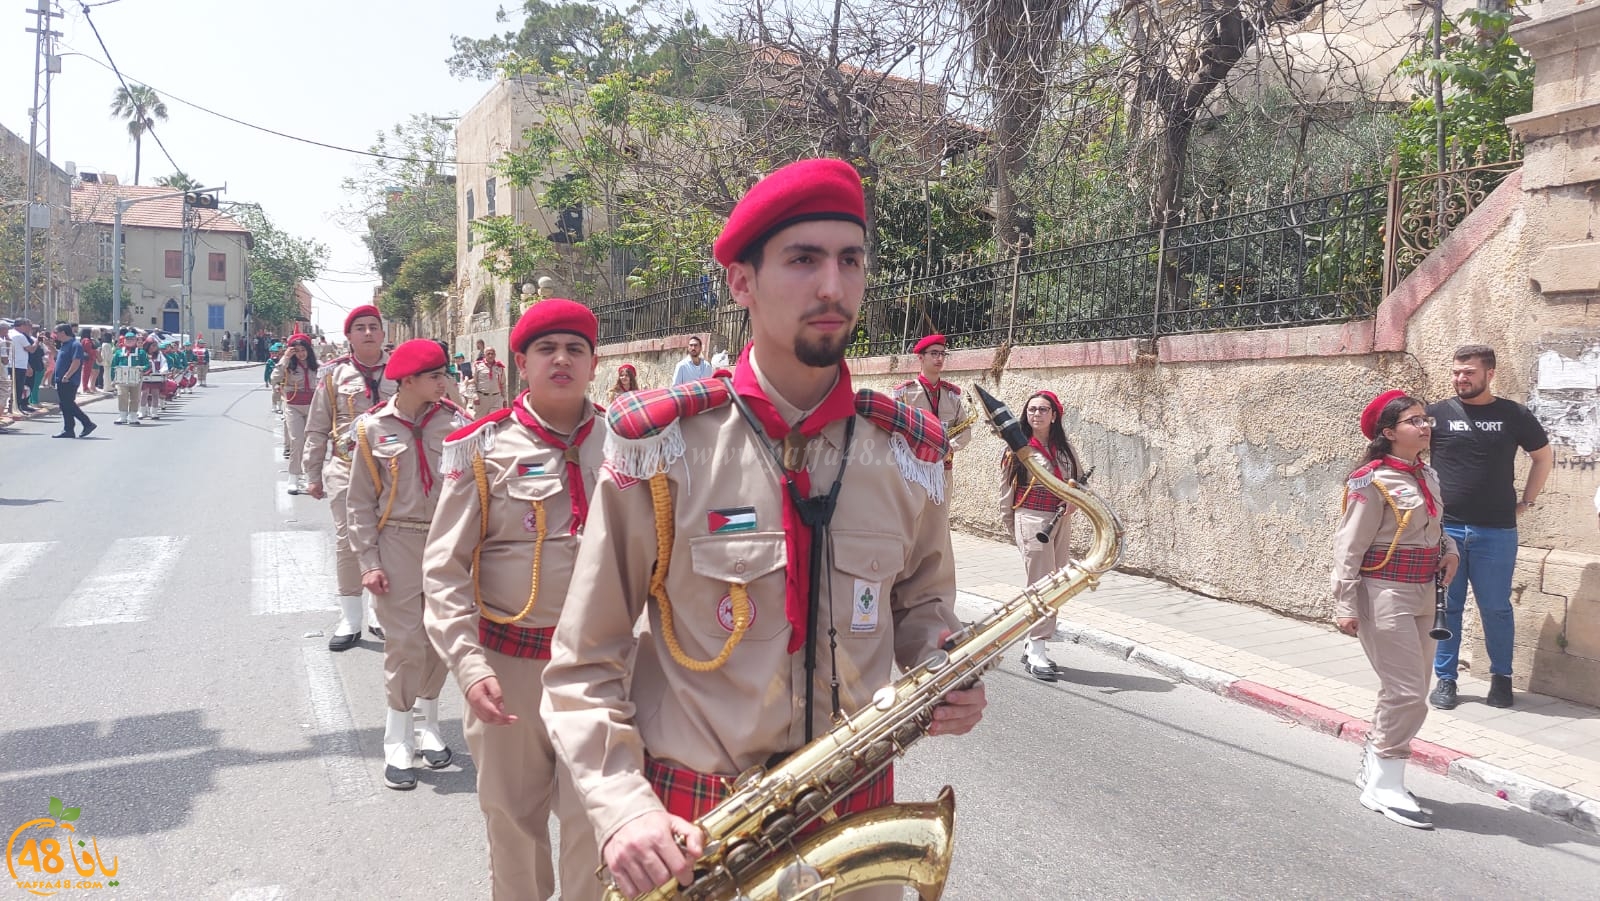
799 192
1049 396
928 342
412 357
627 367
300 338
1369 416
553 315
358 312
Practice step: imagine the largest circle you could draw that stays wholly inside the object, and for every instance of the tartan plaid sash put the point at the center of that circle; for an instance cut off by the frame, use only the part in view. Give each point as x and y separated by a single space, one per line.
691 795
515 641
1411 565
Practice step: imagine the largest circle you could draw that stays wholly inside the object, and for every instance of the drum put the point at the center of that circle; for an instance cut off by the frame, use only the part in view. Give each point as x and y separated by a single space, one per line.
126 375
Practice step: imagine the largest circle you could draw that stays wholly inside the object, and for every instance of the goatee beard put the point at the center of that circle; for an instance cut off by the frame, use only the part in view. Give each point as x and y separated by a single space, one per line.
1470 393
819 355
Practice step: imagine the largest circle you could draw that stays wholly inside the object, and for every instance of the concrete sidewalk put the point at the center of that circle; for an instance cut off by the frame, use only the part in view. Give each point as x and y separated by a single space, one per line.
1542 754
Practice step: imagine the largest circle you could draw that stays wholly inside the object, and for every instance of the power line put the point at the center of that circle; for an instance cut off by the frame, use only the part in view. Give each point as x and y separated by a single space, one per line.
112 64
271 131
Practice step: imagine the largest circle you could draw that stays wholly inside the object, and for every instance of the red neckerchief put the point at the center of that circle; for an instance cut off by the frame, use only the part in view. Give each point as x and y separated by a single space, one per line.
1055 467
575 490
367 376
424 471
1415 471
932 390
839 404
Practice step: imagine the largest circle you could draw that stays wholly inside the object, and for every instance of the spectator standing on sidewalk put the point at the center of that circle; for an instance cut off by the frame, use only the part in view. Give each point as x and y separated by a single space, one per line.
1029 510
1475 451
5 373
91 362
692 367
39 360
106 348
22 345
68 373
1389 549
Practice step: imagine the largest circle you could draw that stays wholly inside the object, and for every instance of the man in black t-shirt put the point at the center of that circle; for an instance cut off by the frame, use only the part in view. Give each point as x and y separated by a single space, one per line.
1474 449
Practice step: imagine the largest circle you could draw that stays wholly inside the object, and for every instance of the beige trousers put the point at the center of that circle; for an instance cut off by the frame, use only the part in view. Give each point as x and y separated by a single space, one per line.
1393 619
127 398
201 370
1039 560
517 788
412 669
484 404
336 484
294 422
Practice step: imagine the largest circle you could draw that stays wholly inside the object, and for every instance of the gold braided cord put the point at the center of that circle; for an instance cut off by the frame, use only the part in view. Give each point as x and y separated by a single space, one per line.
372 468
1402 519
743 610
481 475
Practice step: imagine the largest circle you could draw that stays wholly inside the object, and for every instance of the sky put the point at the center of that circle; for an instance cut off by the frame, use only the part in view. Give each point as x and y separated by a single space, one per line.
335 71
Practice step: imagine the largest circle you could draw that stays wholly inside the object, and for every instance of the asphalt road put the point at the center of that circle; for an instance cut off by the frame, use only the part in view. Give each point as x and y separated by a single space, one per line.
218 751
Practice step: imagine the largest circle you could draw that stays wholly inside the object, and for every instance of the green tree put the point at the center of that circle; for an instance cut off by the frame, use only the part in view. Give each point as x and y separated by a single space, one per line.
1487 79
141 107
426 272
94 300
275 262
178 181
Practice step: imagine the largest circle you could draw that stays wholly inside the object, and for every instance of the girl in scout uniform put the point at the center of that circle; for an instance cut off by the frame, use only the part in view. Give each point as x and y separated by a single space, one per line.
627 380
393 492
506 532
1028 510
1387 552
295 380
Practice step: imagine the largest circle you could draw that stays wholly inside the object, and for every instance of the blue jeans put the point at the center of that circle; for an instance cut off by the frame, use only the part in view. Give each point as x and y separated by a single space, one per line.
1488 557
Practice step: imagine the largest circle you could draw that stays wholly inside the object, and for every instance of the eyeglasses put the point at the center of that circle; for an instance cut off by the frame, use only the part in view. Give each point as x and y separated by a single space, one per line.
1040 410
1421 422
936 354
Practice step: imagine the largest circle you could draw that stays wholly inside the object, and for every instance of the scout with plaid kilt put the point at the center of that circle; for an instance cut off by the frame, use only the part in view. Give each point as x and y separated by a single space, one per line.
699 525
1386 553
512 507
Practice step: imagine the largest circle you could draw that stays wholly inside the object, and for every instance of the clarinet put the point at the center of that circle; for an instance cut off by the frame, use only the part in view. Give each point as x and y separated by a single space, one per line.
1441 628
1044 537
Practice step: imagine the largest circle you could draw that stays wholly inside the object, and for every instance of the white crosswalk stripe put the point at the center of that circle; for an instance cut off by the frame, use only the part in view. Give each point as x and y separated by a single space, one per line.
16 558
109 595
336 739
283 498
291 572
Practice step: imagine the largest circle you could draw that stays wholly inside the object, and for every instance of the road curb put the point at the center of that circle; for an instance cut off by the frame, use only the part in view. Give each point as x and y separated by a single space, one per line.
1530 794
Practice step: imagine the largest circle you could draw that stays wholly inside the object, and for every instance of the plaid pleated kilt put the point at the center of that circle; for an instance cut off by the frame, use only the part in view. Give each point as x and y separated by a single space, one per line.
515 641
691 795
1411 565
1037 497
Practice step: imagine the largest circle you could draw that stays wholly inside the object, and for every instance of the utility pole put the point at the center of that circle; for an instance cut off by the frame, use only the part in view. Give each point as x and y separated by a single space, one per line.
37 214
191 218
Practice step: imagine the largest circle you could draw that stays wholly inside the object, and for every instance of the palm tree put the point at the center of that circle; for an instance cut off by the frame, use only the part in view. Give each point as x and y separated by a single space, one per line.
178 181
141 107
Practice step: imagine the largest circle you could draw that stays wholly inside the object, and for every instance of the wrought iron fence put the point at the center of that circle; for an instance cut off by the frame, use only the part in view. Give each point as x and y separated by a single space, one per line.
1317 260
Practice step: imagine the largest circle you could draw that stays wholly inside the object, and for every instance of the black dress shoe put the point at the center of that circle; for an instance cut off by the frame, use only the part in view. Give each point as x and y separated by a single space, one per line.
89 429
377 632
436 760
344 642
399 779
1042 673
63 435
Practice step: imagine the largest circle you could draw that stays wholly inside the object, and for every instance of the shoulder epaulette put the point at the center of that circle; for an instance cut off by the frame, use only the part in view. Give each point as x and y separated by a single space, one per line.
916 439
642 432
467 442
342 358
952 387
1362 477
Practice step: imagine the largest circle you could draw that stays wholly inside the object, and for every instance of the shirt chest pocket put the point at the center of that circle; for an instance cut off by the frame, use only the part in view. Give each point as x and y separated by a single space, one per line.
387 447
529 494
726 561
867 565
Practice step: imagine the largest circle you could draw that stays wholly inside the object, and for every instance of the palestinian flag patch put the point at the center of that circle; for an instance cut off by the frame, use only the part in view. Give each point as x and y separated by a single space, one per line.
524 470
385 440
731 519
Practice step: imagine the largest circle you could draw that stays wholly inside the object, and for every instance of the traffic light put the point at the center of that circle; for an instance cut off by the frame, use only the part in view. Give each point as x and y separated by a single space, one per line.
200 201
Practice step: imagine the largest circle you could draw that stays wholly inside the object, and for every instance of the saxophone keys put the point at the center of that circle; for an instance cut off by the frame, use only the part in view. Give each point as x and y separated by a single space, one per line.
884 698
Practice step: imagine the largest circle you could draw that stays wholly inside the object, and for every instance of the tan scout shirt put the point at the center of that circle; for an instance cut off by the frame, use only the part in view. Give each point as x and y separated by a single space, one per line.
394 465
522 471
487 380
952 408
1369 522
890 544
341 397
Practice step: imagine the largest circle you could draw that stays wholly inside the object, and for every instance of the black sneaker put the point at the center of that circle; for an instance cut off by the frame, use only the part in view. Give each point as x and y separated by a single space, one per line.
1499 691
89 429
1444 695
399 779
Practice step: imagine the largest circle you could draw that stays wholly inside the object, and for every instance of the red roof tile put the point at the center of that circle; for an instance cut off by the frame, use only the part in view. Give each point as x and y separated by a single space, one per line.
97 203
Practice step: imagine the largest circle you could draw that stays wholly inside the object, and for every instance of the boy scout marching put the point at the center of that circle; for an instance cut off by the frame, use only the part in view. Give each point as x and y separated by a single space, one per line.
349 386
393 492
515 500
943 399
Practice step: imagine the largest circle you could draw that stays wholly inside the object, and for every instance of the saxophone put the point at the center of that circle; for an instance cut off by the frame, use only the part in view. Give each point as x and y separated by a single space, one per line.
757 848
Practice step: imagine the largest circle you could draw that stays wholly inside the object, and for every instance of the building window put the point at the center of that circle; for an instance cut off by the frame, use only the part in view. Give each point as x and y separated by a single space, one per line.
488 197
107 258
174 264
217 266
214 317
